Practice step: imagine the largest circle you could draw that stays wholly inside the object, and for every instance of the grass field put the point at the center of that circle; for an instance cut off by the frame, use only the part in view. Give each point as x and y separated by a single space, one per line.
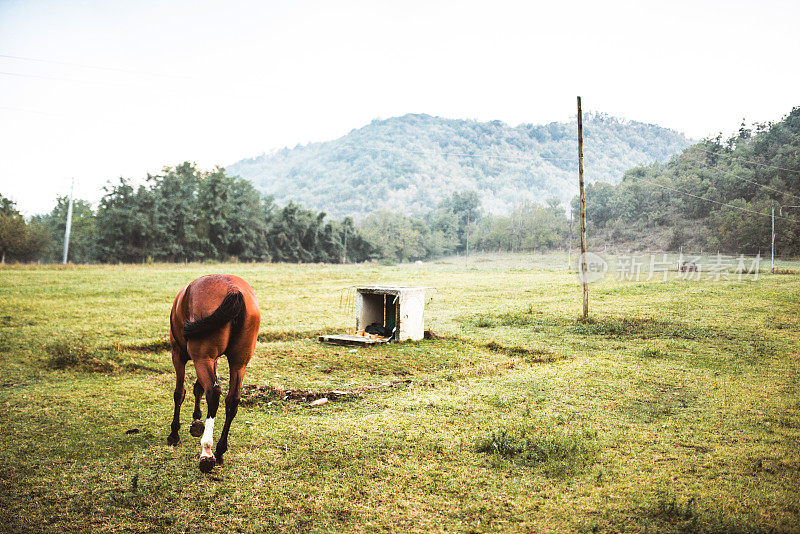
676 408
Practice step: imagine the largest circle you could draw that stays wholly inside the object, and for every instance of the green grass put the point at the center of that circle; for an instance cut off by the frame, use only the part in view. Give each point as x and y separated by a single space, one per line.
674 408
561 453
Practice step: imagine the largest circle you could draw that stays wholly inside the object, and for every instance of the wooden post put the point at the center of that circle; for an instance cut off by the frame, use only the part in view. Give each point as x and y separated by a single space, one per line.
583 214
69 224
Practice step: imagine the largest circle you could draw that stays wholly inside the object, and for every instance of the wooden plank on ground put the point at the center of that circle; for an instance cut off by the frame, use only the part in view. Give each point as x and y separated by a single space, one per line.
345 339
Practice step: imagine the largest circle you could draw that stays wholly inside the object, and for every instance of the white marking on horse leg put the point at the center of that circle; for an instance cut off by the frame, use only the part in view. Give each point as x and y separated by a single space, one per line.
208 439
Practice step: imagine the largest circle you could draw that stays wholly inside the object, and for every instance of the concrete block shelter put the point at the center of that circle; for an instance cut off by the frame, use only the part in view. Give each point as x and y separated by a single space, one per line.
399 308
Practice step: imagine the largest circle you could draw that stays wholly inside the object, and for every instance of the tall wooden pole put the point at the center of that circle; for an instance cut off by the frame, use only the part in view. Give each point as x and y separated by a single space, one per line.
583 214
69 224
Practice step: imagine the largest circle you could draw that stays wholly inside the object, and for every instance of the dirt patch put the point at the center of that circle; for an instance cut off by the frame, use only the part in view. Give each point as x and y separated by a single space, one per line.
80 361
76 354
156 345
530 355
253 394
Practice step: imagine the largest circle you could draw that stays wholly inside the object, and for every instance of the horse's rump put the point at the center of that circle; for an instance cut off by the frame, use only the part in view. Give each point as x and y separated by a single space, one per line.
231 310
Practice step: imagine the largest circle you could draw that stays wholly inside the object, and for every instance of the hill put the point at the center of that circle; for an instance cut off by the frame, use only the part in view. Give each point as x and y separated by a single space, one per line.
410 163
716 195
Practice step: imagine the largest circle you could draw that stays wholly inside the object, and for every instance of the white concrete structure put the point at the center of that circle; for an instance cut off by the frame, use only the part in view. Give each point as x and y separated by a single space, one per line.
398 307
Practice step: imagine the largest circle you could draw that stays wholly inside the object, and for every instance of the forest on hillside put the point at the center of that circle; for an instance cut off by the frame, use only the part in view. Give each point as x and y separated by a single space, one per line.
717 194
411 163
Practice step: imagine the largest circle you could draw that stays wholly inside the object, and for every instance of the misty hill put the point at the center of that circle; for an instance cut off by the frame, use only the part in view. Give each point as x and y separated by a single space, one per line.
410 163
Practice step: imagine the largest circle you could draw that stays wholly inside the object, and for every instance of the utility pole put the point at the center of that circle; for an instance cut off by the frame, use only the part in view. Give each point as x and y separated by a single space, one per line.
69 223
466 256
772 254
583 214
344 256
569 246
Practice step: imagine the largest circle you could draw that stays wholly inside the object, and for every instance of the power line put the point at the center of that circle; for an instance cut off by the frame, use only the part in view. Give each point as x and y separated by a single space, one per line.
695 147
767 187
152 87
250 84
712 200
432 153
497 156
60 79
95 67
31 111
764 186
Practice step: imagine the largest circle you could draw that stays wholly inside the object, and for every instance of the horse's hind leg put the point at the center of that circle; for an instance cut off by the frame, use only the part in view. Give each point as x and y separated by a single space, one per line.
179 361
207 376
196 430
231 407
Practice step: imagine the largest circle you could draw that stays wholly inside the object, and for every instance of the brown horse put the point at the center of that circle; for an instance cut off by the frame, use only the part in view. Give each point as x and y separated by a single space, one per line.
214 315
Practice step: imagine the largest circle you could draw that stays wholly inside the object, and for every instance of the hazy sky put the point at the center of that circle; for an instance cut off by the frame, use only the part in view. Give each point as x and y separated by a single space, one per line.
125 88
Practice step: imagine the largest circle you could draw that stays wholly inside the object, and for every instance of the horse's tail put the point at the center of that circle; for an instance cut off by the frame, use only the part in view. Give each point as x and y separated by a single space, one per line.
231 310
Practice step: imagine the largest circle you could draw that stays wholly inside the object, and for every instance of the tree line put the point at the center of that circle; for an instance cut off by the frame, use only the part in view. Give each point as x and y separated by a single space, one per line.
19 240
186 214
458 222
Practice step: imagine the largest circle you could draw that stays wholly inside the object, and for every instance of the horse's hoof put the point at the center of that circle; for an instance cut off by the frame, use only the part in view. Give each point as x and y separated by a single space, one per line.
219 460
207 463
197 428
173 441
